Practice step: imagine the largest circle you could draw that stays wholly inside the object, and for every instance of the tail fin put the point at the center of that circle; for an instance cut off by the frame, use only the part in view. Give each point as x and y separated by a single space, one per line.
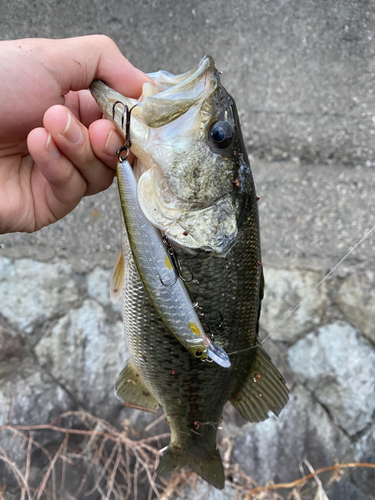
208 465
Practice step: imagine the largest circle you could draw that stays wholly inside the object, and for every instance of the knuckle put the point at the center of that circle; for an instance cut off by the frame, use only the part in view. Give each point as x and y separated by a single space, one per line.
105 41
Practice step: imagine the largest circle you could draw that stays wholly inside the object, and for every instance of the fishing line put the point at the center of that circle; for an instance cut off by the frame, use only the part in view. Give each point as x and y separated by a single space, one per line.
310 293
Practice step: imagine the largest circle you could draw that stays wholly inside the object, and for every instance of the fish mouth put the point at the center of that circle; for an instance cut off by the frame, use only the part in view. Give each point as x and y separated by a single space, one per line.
161 103
176 94
179 189
217 354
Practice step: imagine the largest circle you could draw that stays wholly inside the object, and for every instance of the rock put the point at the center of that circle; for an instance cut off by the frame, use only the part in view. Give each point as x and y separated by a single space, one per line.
356 299
339 366
272 450
27 397
284 289
345 490
10 345
31 290
203 491
98 288
364 451
86 354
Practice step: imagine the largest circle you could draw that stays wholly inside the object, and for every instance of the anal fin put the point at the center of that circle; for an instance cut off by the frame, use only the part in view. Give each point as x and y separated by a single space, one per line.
130 388
263 390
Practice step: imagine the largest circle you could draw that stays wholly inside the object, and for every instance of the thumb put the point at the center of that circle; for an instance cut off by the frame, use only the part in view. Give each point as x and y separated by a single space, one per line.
76 62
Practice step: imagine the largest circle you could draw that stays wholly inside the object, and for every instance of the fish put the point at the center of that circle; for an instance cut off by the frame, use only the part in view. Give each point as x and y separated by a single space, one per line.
195 186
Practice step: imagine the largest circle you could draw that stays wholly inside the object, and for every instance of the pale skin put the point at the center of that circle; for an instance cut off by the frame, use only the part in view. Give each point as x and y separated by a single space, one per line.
54 146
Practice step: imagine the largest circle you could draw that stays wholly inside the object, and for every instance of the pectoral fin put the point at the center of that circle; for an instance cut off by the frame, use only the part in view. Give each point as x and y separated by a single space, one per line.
130 388
117 277
264 390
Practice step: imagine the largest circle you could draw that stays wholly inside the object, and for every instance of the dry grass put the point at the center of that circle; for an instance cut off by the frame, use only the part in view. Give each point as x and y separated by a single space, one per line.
110 463
118 464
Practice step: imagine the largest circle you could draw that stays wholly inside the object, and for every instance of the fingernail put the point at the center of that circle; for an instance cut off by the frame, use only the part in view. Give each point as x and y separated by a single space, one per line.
113 143
72 131
144 76
51 148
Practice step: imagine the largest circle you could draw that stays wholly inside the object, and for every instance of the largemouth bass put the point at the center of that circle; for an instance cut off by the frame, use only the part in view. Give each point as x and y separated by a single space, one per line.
195 185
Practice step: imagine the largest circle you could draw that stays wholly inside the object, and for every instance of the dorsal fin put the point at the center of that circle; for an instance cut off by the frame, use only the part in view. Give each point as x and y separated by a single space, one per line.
116 280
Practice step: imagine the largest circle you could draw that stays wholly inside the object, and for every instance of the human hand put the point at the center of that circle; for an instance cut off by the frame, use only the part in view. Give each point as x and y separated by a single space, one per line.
49 158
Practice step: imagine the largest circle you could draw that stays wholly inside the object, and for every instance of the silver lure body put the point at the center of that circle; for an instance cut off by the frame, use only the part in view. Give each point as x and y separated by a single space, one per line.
156 270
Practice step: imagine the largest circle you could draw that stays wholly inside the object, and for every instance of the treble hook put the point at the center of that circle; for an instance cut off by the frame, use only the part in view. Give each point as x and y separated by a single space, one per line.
127 145
168 284
204 319
179 271
176 265
124 108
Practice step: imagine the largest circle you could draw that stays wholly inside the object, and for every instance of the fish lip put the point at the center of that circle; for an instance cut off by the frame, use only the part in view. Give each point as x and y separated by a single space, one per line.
97 89
217 354
206 63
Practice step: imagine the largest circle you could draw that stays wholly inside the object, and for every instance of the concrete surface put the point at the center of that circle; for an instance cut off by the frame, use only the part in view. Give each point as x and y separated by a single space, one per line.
302 73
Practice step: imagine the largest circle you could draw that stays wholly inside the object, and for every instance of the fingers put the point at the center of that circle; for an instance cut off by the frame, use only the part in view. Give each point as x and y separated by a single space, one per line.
76 62
41 72
105 141
65 158
72 139
83 106
57 186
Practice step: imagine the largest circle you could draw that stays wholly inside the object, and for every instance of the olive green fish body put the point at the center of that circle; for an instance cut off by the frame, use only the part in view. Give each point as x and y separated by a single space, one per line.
191 392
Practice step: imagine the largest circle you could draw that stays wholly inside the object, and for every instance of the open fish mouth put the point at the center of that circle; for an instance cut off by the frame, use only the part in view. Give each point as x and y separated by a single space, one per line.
185 182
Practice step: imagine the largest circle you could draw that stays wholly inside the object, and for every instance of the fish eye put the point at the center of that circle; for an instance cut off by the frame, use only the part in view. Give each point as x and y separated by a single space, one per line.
221 134
198 354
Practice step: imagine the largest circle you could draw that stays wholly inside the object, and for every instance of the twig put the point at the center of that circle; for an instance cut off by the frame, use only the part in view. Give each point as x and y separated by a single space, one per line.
135 478
121 465
28 463
154 422
51 470
228 452
147 469
304 479
116 475
320 494
104 469
94 461
113 474
17 473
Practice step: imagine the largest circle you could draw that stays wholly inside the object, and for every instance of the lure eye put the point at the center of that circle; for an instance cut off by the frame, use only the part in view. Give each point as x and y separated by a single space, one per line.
198 354
221 134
